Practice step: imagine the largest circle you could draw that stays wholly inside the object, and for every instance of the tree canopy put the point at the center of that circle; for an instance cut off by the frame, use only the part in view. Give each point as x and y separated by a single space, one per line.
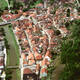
70 53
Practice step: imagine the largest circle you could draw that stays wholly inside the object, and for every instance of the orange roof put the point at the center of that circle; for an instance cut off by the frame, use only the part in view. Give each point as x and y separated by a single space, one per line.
44 70
23 56
27 30
33 42
33 15
30 56
34 49
31 62
27 71
38 67
25 13
48 53
30 24
34 29
38 56
27 49
25 62
64 29
50 31
30 36
17 29
42 37
45 62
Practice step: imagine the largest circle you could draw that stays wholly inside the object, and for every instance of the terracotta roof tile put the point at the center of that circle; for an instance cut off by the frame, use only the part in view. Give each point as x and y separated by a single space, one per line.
30 56
31 62
44 70
27 71
48 53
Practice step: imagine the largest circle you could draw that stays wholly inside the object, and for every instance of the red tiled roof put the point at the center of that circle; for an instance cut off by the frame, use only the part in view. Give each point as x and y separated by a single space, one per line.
25 62
27 71
64 29
25 13
33 15
45 62
30 56
48 53
38 57
44 70
31 62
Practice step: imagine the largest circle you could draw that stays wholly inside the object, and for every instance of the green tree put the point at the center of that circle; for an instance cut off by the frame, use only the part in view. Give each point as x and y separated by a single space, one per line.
8 74
68 12
70 53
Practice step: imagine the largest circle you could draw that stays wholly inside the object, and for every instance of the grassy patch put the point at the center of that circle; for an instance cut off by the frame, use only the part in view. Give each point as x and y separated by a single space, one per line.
16 45
8 57
1 19
3 4
12 52
18 74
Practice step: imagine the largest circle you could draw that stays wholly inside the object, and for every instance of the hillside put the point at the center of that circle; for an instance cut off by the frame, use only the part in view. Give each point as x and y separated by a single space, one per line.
3 4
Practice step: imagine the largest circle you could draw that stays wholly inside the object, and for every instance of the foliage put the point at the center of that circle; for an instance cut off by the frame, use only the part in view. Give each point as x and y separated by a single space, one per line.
31 4
76 29
68 5
70 53
57 32
8 74
43 78
6 43
68 12
54 10
50 70
25 9
17 5
37 2
3 4
1 11
67 25
52 1
66 75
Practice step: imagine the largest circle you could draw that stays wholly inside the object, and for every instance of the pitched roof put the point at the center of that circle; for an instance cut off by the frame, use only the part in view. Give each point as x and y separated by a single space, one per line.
38 57
30 56
27 71
31 62
48 53
23 56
